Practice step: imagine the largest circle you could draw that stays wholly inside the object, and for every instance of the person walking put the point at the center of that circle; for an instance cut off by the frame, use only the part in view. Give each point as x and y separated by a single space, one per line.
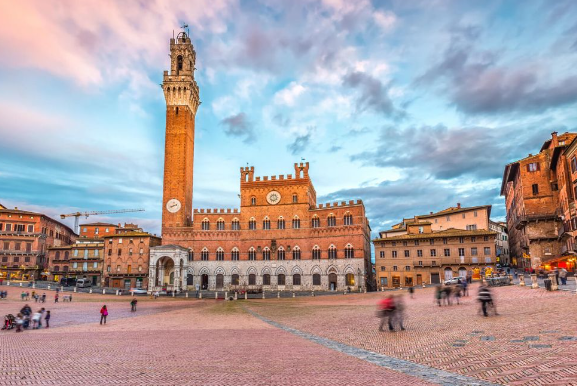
412 292
438 294
386 310
103 314
399 312
484 296
56 298
19 322
563 276
133 305
36 320
47 319
197 290
44 297
42 311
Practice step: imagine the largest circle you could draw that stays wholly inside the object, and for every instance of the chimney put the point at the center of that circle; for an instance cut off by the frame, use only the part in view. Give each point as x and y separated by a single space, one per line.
554 140
16 208
458 205
431 212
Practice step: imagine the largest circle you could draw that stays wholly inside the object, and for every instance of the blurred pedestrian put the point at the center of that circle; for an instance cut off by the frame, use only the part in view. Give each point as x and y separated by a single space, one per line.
563 276
47 319
103 314
36 320
484 296
386 308
197 289
56 298
42 311
438 294
19 322
398 313
44 297
133 305
412 292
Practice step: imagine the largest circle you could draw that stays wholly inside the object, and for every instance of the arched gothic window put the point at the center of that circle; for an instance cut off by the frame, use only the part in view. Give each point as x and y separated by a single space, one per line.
316 253
253 201
235 224
332 220
296 222
179 63
281 253
316 222
348 219
251 254
266 253
205 224
349 252
252 223
332 252
220 224
235 254
204 254
280 223
266 223
296 253
220 254
295 198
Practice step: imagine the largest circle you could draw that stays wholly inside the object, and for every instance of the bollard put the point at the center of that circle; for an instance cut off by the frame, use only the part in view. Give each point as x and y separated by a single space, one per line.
173 293
48 287
8 282
131 293
522 280
246 295
216 295
365 290
294 296
200 295
74 289
20 284
534 283
263 295
104 292
236 296
313 294
90 291
278 295
33 285
186 295
554 285
62 288
226 294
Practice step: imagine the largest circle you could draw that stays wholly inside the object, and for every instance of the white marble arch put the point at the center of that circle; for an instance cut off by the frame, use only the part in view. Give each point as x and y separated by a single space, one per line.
297 269
316 269
280 270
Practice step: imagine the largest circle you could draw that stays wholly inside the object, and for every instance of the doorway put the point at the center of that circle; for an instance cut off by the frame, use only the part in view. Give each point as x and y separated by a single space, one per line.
448 273
204 281
219 281
396 281
435 278
332 281
463 272
127 284
419 279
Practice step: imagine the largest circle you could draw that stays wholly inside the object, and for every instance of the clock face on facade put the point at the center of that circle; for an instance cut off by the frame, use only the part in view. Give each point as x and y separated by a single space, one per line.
273 197
173 205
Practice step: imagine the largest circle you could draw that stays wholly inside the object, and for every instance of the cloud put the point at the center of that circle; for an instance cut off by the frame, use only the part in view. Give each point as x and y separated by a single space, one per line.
281 120
478 84
334 148
300 143
288 95
388 202
446 153
239 126
373 95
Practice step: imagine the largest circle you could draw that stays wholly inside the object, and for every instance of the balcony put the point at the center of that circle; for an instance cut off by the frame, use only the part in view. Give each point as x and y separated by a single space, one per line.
81 270
20 233
564 230
18 252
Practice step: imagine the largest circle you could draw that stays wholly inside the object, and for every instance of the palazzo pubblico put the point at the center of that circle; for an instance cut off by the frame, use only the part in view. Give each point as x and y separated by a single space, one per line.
279 239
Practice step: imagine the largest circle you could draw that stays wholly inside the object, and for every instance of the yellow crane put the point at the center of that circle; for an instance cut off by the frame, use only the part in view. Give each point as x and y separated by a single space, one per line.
77 215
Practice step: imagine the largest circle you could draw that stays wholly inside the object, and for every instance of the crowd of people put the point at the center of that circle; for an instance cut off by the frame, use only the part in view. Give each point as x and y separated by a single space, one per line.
26 319
391 309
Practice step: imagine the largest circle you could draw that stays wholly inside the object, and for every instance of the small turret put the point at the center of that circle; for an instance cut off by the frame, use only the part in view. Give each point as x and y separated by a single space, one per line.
302 170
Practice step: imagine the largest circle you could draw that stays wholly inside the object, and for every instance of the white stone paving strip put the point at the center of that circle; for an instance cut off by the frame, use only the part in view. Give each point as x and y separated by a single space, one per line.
427 373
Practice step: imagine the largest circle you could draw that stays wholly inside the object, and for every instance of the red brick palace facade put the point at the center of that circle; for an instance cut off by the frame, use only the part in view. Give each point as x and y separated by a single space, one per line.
280 238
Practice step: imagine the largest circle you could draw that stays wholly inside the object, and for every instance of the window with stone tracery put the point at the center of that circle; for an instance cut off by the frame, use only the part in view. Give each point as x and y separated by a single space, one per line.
296 253
204 255
235 254
266 254
281 253
251 254
205 225
220 224
332 252
316 222
316 253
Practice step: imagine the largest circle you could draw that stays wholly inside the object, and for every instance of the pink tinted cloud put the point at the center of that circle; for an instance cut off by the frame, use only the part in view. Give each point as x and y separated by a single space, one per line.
92 42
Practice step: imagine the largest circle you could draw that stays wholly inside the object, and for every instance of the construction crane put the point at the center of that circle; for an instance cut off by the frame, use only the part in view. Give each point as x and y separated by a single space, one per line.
77 215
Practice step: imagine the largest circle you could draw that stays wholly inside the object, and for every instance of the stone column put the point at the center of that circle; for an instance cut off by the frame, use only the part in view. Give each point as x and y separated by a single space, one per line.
176 277
534 283
161 276
554 284
151 278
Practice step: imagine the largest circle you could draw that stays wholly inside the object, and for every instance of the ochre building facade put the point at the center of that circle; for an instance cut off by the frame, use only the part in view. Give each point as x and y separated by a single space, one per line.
279 239
426 250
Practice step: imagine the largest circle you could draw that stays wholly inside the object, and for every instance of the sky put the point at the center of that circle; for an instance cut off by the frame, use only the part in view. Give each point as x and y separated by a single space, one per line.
411 106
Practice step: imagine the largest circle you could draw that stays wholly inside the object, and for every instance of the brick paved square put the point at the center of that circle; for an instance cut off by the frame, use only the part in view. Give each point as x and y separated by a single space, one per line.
303 341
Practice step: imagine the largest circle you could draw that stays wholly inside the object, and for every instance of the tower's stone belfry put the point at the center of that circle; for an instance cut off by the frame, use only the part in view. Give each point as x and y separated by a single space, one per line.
182 100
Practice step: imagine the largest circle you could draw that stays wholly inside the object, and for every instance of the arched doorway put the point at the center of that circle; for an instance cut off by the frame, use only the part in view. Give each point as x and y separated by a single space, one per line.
204 279
350 279
463 272
448 273
332 281
219 281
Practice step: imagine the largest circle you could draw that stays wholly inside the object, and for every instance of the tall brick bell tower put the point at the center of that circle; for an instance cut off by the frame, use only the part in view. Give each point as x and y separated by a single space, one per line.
182 100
